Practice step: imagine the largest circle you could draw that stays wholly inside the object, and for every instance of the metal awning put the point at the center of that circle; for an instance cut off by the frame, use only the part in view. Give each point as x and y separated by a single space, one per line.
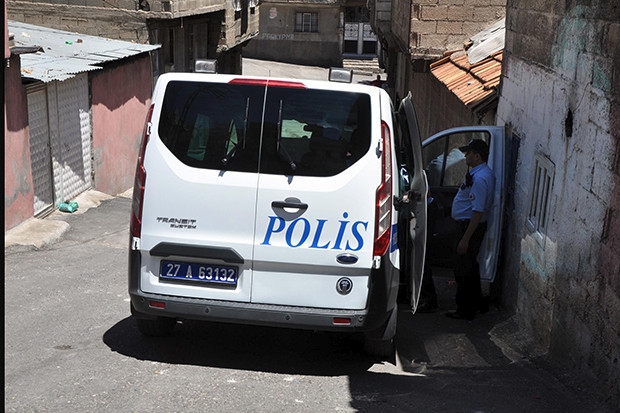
50 54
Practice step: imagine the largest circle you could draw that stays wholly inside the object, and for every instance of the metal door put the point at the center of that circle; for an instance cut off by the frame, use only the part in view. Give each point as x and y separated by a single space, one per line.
359 39
417 195
40 154
71 145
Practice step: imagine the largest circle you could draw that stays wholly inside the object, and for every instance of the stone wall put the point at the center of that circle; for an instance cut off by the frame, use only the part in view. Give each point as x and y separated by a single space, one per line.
442 25
560 97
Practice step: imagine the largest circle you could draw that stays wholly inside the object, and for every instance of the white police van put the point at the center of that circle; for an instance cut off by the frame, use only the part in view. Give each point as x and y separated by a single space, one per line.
277 202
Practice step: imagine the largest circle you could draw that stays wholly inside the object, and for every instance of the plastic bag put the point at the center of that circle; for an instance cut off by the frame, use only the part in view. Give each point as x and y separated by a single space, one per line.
68 206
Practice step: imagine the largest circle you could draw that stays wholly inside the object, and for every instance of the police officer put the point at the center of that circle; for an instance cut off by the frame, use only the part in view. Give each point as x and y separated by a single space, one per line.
470 209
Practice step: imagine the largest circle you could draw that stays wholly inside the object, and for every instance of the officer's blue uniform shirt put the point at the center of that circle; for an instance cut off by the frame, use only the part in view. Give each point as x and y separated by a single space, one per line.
475 197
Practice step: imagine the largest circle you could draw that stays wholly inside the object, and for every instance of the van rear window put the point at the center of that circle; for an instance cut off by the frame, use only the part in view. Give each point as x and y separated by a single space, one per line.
306 132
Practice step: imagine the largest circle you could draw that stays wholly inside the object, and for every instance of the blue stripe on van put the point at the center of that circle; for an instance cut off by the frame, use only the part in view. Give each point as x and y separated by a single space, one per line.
394 240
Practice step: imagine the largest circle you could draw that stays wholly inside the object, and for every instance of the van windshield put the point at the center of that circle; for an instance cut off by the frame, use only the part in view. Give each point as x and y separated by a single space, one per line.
304 132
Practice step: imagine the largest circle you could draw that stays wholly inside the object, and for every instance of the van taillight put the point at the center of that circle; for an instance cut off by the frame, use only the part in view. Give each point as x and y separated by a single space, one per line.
383 212
135 226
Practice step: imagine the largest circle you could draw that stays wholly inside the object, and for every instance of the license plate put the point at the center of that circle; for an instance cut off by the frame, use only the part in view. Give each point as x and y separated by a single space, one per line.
205 273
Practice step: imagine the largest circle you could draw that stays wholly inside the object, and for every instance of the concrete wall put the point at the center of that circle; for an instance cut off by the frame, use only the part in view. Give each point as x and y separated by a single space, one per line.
121 96
18 187
278 40
560 97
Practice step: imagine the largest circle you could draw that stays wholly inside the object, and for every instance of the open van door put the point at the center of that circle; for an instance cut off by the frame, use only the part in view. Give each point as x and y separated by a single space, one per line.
413 210
445 168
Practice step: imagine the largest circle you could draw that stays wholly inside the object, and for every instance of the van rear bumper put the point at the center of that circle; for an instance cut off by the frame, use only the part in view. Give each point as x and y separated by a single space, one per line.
381 302
149 306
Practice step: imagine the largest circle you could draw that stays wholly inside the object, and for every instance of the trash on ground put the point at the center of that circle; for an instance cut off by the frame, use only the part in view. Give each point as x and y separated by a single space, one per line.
68 206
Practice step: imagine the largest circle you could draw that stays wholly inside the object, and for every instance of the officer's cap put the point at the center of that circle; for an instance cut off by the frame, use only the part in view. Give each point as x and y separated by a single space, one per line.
476 145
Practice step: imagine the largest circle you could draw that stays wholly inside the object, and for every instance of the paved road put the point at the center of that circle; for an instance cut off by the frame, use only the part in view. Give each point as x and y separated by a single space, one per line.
72 346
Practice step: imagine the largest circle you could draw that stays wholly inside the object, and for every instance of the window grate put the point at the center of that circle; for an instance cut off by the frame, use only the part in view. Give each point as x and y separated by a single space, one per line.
541 192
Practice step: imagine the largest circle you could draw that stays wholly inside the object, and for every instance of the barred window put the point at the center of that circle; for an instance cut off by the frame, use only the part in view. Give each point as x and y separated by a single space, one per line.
541 193
307 22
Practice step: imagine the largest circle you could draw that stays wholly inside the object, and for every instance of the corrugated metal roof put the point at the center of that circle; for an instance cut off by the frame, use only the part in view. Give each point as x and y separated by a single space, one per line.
65 54
474 84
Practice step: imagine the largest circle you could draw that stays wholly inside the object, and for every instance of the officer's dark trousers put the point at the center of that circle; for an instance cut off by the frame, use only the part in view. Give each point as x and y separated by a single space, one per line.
467 272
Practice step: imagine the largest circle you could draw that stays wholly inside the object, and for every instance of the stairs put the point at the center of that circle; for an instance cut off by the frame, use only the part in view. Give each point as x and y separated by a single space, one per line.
363 66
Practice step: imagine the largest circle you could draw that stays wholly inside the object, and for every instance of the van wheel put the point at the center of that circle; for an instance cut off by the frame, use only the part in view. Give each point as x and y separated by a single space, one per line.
380 342
379 348
158 327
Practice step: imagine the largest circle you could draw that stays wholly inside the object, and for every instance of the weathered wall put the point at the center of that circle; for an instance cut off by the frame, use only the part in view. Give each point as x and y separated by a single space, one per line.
429 94
122 19
18 186
121 96
560 96
278 40
441 25
111 23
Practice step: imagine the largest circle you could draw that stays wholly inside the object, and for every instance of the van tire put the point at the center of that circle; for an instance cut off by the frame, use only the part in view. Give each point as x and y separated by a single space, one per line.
158 327
379 348
380 342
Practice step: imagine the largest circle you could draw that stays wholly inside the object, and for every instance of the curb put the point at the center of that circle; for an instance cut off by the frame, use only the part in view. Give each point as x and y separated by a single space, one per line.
36 233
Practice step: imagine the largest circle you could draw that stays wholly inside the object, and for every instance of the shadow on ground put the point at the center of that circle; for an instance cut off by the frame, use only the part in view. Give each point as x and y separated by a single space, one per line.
441 364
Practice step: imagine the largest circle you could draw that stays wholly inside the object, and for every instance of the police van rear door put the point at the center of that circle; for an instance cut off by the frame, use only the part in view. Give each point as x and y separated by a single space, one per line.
411 160
315 205
201 174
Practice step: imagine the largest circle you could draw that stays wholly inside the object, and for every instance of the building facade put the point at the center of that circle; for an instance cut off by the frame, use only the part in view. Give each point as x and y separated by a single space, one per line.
74 107
414 34
188 30
18 188
314 33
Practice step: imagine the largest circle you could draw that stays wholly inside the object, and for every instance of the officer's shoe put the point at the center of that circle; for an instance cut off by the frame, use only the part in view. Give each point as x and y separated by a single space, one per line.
427 306
459 316
483 307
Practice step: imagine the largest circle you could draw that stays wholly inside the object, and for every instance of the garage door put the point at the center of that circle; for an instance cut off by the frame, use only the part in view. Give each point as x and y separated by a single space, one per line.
60 141
71 147
40 154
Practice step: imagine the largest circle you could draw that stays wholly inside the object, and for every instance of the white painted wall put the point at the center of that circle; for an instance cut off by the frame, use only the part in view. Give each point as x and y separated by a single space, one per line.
563 301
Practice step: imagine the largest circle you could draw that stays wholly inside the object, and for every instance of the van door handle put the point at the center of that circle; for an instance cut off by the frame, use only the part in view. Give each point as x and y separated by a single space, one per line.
286 204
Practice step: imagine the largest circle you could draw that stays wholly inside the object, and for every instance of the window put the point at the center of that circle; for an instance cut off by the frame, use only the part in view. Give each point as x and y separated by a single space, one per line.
541 192
305 132
445 163
307 22
357 14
